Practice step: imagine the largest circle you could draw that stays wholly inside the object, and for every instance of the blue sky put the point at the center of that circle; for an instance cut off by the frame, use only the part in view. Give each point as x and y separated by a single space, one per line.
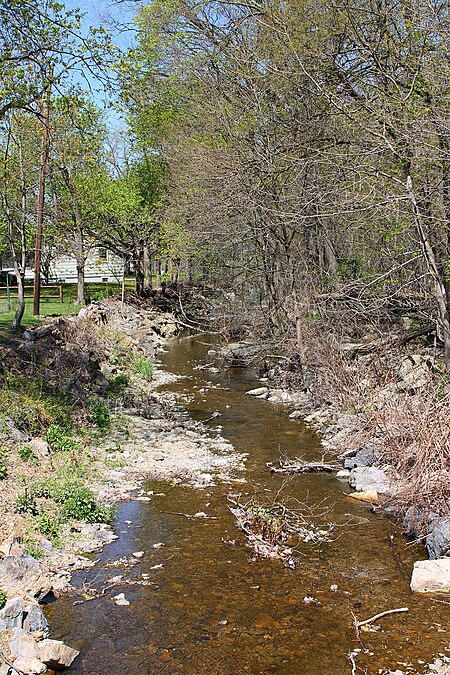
115 18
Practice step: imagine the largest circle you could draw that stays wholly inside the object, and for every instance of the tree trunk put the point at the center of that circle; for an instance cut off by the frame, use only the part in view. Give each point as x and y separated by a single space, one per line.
138 271
147 265
81 300
440 292
18 316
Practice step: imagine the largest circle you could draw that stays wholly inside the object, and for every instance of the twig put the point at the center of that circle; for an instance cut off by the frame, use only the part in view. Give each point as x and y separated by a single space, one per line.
358 624
351 658
187 515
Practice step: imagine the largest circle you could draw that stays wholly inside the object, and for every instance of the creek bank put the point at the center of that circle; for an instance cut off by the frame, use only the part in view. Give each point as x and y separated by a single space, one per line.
368 464
102 362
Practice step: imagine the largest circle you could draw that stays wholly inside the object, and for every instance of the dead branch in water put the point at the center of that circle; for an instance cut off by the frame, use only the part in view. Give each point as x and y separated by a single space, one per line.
359 624
300 466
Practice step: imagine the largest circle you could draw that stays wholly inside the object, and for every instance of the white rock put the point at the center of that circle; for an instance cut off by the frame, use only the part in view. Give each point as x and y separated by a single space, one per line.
121 600
431 576
343 473
138 554
259 391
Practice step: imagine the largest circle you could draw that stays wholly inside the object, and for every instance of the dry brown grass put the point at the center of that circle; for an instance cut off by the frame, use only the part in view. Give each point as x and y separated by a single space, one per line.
415 441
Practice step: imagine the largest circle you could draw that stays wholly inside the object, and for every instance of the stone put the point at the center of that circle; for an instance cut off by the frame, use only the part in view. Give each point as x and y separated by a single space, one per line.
438 540
365 456
239 354
11 616
121 600
40 447
414 372
35 621
56 655
9 429
23 575
343 474
431 576
266 621
369 478
29 666
259 391
23 645
296 414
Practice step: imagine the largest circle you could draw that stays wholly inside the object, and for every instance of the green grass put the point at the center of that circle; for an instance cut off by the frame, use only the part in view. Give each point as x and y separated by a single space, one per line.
52 307
143 366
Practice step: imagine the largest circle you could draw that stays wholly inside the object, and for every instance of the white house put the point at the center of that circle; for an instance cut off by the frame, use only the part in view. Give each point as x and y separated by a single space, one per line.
101 265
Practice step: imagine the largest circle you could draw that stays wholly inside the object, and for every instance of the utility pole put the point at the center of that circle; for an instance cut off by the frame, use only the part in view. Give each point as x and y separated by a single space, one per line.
40 202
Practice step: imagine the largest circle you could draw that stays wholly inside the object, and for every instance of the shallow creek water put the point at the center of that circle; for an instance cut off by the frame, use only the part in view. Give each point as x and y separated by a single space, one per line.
213 611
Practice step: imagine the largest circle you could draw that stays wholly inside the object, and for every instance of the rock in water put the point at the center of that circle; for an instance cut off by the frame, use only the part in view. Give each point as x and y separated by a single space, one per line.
56 655
438 540
259 391
431 576
368 479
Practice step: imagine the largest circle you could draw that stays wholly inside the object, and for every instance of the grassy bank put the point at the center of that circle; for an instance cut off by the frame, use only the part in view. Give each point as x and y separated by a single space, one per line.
53 308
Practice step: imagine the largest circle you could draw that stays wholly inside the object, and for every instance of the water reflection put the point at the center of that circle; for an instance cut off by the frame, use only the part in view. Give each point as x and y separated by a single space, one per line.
208 609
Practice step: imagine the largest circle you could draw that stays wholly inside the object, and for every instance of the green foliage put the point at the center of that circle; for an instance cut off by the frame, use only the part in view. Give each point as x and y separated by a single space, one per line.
76 501
47 525
3 463
26 454
32 405
143 366
350 268
100 414
26 503
30 548
59 440
2 598
118 385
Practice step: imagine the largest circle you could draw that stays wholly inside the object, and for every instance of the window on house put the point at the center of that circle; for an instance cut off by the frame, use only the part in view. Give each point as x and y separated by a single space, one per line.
102 254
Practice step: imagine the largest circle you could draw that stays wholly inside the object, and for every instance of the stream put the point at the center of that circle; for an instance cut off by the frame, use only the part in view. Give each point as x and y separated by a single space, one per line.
209 609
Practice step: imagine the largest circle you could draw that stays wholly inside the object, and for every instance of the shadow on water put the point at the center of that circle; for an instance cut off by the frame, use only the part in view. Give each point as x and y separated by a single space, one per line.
209 609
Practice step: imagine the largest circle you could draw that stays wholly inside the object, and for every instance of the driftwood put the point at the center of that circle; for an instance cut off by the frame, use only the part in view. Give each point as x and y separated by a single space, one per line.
300 466
378 616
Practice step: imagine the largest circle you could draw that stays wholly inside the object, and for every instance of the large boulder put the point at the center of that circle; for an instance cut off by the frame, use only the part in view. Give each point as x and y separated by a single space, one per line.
23 576
56 655
431 576
18 613
369 479
438 539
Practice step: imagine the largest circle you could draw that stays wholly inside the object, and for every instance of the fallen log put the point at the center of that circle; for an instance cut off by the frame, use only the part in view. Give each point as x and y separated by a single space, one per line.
300 466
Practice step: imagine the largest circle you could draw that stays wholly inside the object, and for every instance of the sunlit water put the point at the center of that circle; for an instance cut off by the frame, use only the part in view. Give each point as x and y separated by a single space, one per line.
211 610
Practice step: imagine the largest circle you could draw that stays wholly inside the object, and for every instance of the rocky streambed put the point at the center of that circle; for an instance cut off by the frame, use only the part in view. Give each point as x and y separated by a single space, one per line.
181 590
174 583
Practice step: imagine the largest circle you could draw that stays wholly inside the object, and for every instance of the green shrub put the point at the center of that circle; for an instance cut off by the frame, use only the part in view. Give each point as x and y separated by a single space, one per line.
77 502
118 384
47 525
59 440
2 598
26 454
143 366
3 464
82 505
26 503
100 414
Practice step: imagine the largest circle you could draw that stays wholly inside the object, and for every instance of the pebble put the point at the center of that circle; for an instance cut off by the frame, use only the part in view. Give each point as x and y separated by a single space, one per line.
121 600
138 554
